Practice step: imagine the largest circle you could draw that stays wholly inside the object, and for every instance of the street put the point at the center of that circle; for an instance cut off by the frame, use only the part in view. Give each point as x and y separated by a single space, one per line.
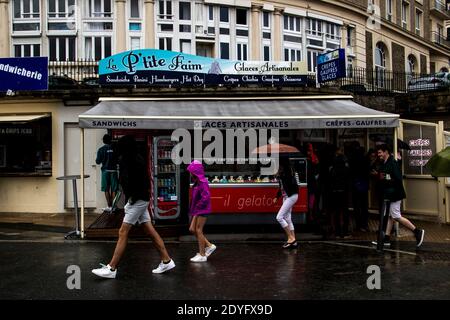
37 269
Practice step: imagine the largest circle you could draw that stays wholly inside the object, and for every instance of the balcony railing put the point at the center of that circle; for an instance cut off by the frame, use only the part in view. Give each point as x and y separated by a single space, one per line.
437 38
439 7
77 70
357 80
378 80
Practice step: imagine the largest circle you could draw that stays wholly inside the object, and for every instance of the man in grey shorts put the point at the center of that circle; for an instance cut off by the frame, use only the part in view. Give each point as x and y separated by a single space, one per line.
393 191
133 177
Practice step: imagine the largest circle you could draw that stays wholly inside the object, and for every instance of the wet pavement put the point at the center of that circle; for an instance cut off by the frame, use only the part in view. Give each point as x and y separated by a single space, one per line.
250 270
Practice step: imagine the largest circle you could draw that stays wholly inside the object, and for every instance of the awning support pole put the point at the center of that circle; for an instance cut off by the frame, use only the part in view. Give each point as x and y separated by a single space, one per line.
82 181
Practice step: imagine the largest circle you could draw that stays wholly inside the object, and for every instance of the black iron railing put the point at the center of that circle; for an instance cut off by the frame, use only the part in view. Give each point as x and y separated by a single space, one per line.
437 38
78 70
357 80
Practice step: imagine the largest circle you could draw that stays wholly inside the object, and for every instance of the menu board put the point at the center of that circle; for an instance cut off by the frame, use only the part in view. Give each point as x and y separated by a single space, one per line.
421 140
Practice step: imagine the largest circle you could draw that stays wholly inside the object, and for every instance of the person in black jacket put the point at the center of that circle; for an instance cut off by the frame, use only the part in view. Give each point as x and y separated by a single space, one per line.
289 191
339 184
393 191
134 178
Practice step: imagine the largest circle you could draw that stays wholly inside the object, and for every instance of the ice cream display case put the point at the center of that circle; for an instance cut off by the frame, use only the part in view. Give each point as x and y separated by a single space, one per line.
242 189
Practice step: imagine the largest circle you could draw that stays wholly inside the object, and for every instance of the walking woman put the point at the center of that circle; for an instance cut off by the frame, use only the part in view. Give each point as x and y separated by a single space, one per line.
199 210
289 191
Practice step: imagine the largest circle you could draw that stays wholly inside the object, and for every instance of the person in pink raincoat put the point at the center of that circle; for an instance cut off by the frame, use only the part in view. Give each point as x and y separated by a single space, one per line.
199 210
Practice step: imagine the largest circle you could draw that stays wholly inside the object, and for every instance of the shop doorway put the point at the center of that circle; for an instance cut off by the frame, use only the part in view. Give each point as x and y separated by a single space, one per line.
425 194
94 198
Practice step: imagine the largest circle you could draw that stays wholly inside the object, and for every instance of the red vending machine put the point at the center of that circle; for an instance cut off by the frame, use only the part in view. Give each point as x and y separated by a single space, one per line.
165 180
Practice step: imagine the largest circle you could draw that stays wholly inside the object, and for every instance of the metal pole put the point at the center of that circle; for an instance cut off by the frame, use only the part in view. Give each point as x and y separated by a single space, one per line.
75 203
82 180
380 242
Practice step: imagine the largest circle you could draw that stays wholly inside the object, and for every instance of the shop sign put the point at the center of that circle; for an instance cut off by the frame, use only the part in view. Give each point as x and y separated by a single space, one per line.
252 199
24 73
151 67
420 152
13 131
331 66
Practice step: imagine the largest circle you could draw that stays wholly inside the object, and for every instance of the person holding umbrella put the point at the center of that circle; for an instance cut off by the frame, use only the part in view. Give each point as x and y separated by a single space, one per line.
289 191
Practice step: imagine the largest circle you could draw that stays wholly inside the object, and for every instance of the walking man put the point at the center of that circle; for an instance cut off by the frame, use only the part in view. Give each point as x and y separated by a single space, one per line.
135 184
393 191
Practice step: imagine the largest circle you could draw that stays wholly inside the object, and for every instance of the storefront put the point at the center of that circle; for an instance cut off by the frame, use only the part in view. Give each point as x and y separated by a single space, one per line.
39 141
239 191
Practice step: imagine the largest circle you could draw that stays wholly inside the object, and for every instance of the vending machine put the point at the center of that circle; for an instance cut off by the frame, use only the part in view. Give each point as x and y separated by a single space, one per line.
166 180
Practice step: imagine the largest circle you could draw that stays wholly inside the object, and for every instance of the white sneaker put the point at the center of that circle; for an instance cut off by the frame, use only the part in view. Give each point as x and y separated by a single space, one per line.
105 271
210 250
199 258
163 267
107 209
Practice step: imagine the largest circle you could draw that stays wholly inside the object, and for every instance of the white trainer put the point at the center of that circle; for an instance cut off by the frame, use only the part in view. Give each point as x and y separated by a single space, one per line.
199 258
210 250
163 267
105 271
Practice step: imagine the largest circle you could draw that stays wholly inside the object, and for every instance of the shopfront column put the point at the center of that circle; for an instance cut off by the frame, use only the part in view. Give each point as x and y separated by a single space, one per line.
4 29
277 33
255 34
149 23
121 29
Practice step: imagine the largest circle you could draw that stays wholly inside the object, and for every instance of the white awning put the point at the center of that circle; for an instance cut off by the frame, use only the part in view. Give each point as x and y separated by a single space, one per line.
22 117
308 112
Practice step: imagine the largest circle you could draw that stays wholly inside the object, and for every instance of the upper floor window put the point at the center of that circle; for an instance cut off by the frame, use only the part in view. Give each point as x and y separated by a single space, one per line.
26 9
314 27
292 23
333 31
27 50
62 48
350 36
210 13
224 14
165 9
134 9
165 43
266 19
241 16
389 10
418 21
242 51
99 8
185 11
61 8
97 47
405 14
292 54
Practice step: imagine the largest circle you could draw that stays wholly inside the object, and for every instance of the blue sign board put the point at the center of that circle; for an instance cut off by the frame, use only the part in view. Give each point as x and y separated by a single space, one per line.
331 65
24 73
151 67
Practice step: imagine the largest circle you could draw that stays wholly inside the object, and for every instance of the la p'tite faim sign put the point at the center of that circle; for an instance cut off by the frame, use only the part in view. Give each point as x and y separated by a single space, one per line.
331 66
24 73
151 67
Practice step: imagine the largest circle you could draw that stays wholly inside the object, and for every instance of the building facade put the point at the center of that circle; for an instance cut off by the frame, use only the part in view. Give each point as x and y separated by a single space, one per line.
397 35
393 35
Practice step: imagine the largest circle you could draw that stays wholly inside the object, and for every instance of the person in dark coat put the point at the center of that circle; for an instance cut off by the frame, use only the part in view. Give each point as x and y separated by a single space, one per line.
393 191
339 177
135 181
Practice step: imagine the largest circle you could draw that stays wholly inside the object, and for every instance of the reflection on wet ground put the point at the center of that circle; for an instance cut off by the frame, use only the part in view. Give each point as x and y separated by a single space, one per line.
262 270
